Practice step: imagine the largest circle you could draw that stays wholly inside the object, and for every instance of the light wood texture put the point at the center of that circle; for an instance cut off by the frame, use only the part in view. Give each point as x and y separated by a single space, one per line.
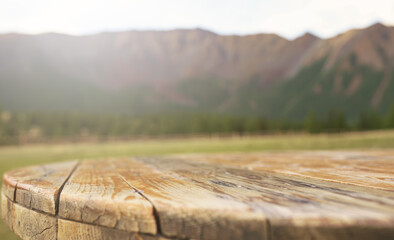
70 230
304 206
191 207
34 225
37 187
97 194
303 195
27 223
368 169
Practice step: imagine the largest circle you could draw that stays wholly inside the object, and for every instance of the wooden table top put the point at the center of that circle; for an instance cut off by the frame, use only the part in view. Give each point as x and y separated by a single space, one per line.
292 195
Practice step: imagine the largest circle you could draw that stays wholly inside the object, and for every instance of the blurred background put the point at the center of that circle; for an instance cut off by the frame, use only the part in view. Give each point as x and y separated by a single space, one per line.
87 79
88 70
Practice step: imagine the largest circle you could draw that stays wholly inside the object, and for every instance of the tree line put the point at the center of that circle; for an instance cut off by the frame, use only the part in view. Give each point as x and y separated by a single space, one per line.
21 127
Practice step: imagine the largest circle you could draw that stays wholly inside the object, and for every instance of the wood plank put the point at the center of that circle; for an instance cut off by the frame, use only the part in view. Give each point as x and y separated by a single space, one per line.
238 196
37 187
188 210
31 224
27 223
372 169
8 188
185 192
70 230
97 194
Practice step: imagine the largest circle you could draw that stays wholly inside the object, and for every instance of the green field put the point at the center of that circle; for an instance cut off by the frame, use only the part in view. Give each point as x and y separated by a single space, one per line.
18 156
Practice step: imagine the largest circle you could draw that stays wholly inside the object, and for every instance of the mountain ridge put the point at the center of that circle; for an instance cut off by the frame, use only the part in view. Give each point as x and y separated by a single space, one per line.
190 70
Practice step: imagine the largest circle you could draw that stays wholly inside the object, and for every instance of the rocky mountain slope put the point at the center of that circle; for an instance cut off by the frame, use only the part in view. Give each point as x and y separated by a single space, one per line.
197 70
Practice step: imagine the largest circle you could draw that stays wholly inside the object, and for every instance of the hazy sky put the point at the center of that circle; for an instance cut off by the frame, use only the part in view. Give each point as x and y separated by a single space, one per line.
289 18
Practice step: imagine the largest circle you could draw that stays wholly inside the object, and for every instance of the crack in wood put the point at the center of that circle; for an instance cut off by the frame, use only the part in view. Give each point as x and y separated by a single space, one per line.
137 234
42 231
16 187
155 212
57 197
192 199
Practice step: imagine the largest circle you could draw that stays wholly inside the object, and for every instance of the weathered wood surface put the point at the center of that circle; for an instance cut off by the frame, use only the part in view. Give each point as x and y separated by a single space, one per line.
368 169
304 195
27 223
35 225
37 187
71 230
97 194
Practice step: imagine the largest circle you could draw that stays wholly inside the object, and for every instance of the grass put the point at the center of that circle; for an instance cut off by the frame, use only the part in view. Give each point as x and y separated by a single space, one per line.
18 156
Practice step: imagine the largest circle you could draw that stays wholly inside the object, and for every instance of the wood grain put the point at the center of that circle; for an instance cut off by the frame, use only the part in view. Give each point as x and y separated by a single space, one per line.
37 187
303 205
371 169
70 230
97 194
27 223
34 225
303 195
192 209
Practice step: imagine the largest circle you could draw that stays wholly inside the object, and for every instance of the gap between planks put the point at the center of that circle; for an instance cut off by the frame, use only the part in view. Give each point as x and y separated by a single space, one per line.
57 203
57 199
140 192
155 212
130 235
57 195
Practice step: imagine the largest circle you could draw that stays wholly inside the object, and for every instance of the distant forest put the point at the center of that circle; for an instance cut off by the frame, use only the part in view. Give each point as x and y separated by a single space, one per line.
23 127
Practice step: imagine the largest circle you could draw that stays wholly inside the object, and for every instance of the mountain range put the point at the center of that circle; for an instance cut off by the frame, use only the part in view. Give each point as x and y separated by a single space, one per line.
194 70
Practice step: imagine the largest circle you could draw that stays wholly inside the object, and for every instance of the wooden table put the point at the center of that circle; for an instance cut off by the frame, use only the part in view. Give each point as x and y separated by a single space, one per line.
300 195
